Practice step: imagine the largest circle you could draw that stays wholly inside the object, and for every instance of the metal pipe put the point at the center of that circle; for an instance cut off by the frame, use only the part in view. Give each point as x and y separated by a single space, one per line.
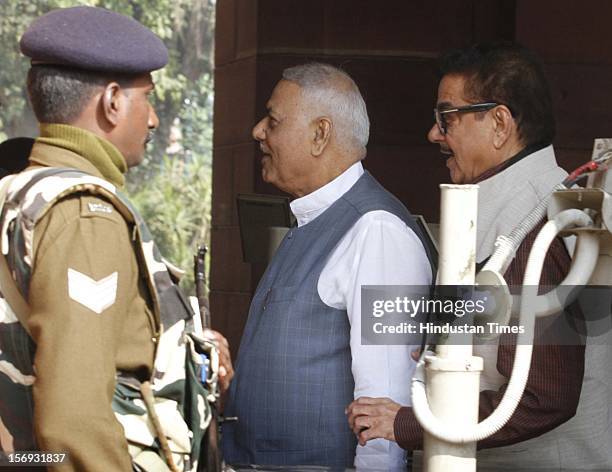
583 264
453 433
453 374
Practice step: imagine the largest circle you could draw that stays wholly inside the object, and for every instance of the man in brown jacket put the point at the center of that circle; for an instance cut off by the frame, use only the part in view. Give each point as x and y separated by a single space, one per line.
494 125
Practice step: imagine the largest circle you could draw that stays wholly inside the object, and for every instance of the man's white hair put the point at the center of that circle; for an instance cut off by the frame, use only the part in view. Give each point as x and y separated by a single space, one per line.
334 92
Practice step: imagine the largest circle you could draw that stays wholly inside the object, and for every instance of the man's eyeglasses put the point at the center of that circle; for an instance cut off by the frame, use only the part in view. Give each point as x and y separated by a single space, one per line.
440 115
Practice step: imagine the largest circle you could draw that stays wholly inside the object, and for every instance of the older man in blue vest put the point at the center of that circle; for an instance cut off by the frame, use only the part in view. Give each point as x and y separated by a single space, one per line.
301 360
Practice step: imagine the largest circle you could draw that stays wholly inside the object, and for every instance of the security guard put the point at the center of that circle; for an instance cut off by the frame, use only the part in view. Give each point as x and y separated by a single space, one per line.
93 316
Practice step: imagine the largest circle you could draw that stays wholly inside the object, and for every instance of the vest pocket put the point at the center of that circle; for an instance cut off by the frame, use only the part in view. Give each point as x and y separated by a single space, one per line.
281 294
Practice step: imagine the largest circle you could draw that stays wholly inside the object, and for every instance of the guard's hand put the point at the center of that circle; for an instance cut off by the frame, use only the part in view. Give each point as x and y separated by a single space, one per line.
226 370
371 418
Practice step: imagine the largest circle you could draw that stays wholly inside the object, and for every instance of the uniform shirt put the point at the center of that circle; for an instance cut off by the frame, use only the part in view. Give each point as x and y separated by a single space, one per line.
378 250
78 350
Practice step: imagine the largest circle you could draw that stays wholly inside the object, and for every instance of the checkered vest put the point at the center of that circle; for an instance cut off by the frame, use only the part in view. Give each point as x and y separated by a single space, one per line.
293 375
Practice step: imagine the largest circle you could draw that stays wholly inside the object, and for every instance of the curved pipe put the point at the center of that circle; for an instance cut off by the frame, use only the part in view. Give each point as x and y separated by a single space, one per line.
524 348
583 264
506 246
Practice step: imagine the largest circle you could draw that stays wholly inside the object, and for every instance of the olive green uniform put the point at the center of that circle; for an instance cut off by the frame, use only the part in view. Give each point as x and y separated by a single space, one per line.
78 350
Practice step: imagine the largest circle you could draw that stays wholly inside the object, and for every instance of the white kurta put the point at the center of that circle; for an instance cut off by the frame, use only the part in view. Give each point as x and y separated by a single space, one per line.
378 250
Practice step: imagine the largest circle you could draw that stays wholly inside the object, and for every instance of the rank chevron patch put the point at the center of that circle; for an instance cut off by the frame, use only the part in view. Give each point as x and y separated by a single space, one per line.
95 295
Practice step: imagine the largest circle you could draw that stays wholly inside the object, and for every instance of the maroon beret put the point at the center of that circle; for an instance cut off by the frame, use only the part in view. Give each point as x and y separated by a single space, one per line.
94 39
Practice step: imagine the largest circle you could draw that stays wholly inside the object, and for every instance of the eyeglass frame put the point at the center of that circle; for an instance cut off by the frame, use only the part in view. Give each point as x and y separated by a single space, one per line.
473 108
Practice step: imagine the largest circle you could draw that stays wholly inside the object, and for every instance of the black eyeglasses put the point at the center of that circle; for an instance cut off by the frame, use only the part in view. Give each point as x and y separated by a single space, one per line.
440 115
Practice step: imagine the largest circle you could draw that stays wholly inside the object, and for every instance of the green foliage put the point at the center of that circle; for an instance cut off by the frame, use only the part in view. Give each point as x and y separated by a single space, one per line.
176 205
172 186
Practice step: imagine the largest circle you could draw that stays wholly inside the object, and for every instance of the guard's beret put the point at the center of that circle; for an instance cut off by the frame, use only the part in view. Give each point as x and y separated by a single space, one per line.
94 39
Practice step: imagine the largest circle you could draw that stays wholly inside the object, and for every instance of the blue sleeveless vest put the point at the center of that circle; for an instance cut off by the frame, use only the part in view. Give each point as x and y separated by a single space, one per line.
293 375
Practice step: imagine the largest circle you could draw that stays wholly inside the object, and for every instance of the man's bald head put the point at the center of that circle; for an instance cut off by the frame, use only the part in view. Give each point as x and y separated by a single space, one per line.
333 93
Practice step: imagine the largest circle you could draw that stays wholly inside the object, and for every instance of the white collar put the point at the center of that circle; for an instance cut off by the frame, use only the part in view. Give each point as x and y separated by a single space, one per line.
308 207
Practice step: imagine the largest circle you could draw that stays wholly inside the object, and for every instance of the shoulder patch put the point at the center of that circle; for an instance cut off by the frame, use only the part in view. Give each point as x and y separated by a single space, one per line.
97 295
96 207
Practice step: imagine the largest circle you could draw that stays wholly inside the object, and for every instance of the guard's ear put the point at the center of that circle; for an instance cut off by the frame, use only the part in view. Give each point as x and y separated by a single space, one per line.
505 125
322 134
112 98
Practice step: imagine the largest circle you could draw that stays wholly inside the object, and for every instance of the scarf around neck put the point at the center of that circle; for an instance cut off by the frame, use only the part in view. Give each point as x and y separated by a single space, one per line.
100 152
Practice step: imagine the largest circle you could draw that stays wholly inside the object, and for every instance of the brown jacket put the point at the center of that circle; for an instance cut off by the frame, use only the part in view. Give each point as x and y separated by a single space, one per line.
78 350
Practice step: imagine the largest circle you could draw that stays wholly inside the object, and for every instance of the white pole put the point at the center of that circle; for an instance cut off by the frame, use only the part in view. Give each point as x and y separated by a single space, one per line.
453 375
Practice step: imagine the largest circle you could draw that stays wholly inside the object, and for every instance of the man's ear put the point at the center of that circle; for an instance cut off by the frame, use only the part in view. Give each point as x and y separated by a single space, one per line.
505 125
322 135
112 102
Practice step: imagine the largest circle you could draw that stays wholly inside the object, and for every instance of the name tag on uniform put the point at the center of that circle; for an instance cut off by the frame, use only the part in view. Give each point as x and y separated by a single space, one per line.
95 207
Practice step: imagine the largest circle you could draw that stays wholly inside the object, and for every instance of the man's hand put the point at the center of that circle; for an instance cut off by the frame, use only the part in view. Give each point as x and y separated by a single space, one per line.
371 418
226 370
